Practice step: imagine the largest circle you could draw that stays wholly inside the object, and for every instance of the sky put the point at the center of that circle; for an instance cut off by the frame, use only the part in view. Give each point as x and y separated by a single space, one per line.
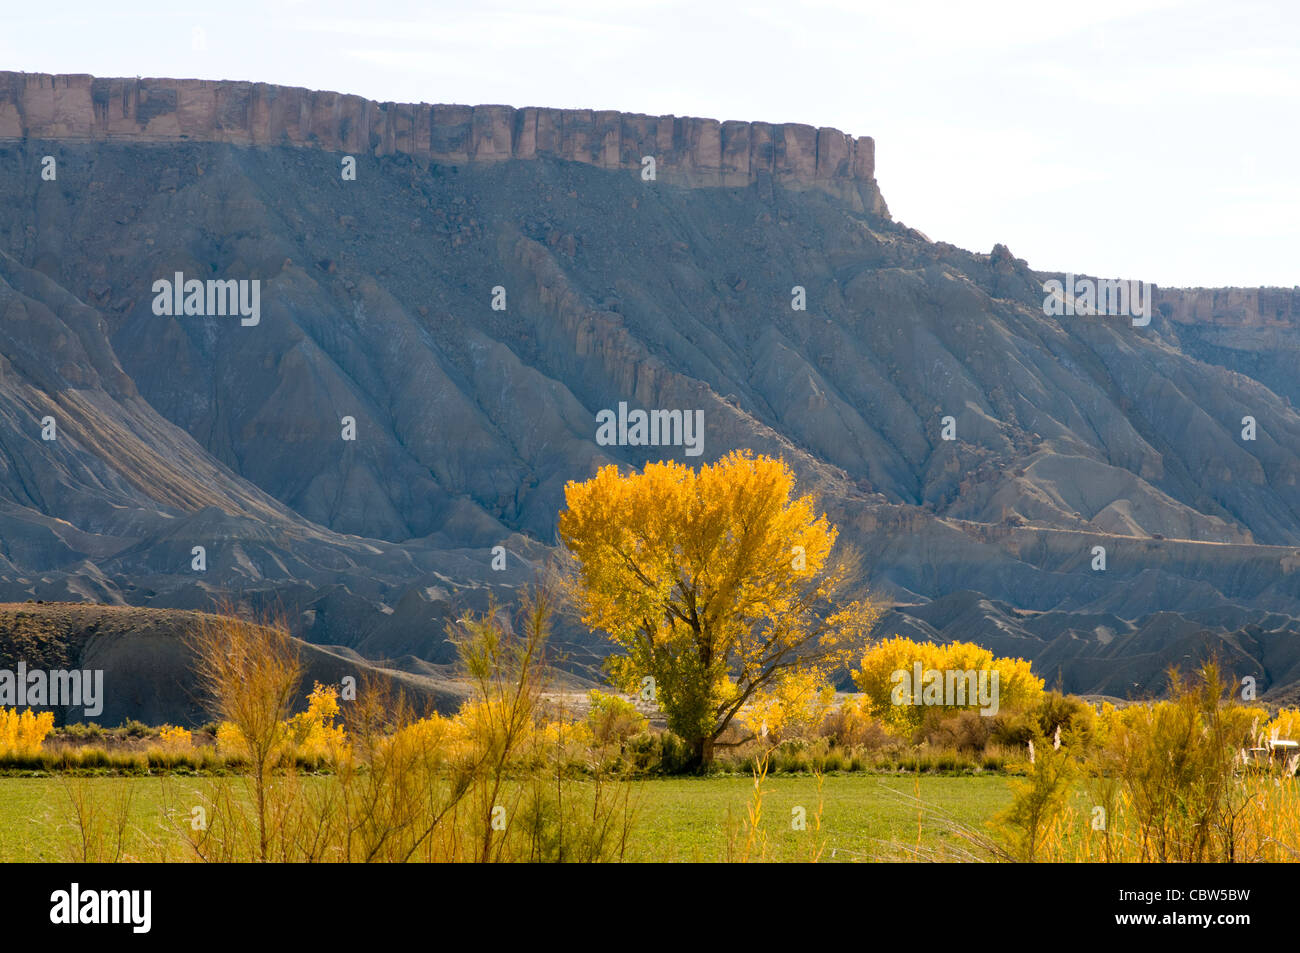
1154 140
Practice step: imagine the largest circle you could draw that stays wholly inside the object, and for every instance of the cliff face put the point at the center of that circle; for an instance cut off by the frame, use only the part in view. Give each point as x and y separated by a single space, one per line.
687 151
1232 307
1252 331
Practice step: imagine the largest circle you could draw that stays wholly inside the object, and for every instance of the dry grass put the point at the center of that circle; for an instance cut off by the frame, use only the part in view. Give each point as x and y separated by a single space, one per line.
1167 784
404 788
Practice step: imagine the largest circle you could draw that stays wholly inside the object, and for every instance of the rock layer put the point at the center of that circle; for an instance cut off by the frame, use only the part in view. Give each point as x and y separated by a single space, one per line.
687 151
1232 307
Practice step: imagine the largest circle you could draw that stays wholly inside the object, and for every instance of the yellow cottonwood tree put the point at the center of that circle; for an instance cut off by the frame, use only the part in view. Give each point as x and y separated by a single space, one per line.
716 583
315 732
1018 687
23 733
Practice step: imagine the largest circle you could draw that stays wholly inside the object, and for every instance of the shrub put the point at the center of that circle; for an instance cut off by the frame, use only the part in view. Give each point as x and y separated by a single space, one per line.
965 731
135 729
81 731
1032 821
1014 729
175 739
1286 724
23 733
658 752
1177 759
1072 715
613 720
1165 783
313 733
850 725
891 699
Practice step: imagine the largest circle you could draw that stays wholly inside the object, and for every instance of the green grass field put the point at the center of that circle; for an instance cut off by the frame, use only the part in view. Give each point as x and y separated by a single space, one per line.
863 816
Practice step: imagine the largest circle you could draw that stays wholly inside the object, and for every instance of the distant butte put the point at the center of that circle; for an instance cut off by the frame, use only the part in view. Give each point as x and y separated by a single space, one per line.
695 153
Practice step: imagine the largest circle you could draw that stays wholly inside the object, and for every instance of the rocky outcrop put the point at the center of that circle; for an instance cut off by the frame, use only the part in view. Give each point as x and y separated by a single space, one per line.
1253 331
687 151
1231 307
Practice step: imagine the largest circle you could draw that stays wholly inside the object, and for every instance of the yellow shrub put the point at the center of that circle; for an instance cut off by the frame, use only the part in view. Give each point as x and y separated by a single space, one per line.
1286 724
174 738
1018 688
1108 722
24 733
230 741
481 724
851 724
432 738
571 736
613 719
309 734
313 733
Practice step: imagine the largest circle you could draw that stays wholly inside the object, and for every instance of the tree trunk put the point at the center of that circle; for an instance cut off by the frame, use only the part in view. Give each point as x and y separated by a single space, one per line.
703 758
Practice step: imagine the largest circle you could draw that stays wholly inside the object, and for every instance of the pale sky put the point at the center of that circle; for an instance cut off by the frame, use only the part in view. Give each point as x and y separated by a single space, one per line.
1142 139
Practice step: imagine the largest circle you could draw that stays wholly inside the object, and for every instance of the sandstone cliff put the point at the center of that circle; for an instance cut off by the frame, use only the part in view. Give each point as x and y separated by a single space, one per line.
1231 307
688 152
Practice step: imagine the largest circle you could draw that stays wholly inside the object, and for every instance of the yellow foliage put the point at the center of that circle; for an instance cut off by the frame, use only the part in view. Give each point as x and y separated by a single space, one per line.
479 720
23 733
793 707
430 739
1286 724
1107 723
313 733
309 734
230 741
1164 782
1245 723
713 582
480 724
612 719
555 735
174 738
890 699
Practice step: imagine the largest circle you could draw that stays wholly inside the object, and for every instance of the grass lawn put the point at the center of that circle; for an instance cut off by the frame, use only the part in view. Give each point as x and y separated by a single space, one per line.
864 816
36 816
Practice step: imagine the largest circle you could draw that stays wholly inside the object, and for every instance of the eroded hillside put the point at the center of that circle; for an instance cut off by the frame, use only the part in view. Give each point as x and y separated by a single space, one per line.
377 304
